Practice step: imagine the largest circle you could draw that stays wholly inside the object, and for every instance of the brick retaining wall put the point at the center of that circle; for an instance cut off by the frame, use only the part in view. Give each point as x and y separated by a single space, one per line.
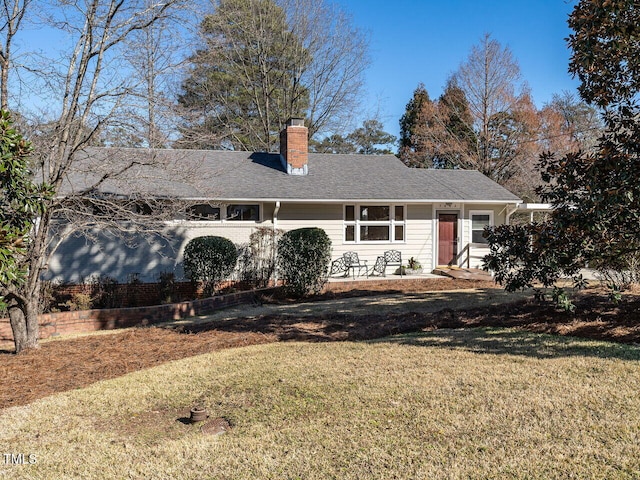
61 323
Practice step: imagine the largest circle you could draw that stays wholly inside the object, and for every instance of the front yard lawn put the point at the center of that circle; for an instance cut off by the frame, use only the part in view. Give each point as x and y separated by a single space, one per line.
463 403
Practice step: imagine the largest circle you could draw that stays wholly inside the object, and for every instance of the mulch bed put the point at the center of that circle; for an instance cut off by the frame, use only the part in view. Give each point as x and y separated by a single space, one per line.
74 363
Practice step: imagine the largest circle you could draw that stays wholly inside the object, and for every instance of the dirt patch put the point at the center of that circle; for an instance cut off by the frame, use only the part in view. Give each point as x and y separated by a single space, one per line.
62 365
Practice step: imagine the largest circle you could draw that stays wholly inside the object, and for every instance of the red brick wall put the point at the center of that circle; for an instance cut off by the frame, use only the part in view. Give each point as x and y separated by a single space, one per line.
60 323
135 295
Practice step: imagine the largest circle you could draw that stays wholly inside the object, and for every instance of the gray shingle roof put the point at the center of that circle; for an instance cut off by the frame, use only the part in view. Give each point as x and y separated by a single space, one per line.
224 175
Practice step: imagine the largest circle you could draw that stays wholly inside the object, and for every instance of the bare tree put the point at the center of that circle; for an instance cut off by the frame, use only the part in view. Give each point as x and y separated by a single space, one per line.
13 12
87 90
339 55
490 79
157 55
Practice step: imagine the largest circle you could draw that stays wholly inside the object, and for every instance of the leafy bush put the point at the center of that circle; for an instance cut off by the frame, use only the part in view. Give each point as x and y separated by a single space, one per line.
78 301
209 260
105 292
303 259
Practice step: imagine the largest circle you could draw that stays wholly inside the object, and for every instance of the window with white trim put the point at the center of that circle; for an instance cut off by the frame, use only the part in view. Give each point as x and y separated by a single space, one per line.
479 220
374 223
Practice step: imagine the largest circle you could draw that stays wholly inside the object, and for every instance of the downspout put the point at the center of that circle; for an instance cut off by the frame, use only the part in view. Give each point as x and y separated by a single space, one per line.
275 215
510 212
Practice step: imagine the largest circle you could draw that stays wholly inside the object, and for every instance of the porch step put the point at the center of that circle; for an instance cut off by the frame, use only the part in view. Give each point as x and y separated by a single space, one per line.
463 273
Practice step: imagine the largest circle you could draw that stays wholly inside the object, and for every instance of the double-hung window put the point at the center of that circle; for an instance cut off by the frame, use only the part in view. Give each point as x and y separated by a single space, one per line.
374 223
480 220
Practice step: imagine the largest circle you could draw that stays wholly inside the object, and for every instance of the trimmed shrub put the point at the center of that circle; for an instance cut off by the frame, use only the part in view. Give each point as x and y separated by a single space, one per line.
209 260
303 260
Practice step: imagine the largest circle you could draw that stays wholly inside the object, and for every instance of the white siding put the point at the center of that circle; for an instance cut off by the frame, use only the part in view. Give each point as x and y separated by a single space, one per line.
329 217
77 259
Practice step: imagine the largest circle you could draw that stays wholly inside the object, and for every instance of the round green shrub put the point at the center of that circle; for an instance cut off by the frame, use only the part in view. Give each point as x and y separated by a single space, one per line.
303 260
209 260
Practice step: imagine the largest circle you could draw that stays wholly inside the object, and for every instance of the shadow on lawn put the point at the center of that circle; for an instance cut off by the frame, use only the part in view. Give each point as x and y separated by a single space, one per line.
597 320
516 342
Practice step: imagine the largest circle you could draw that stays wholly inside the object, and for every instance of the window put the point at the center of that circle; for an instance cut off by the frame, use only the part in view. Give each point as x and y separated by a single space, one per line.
374 223
203 211
143 208
479 220
374 213
243 212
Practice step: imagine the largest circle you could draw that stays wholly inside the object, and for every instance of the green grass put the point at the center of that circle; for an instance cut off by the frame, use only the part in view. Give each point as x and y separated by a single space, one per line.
477 403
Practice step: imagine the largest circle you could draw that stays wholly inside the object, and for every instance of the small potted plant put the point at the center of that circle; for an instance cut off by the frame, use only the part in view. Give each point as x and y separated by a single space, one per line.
412 268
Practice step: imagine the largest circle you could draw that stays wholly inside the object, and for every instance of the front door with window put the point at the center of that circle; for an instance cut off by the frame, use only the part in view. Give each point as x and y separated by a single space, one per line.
447 238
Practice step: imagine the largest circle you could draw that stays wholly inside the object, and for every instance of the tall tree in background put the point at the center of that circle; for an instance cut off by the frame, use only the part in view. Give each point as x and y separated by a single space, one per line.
437 134
491 81
514 140
264 61
412 145
246 82
155 54
461 140
369 139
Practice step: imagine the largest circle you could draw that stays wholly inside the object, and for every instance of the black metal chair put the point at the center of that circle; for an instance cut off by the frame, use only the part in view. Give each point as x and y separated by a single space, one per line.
338 266
393 258
352 262
380 267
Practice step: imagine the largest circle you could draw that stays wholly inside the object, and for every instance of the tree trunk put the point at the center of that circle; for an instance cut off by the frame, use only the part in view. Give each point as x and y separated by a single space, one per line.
23 317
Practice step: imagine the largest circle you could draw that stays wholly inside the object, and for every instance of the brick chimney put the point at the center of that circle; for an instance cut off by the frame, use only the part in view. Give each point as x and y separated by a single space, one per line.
294 147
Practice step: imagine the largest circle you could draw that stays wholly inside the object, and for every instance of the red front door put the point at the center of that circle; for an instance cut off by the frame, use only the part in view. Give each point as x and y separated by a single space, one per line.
447 238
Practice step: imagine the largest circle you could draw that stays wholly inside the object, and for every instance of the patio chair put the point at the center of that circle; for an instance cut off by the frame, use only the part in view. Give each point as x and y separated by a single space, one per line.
352 262
379 267
393 258
338 267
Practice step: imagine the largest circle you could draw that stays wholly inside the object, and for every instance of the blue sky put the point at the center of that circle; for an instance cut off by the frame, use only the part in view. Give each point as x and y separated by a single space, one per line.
413 41
416 41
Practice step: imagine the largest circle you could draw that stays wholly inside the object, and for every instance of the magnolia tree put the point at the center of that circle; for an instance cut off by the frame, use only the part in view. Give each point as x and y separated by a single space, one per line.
22 202
595 193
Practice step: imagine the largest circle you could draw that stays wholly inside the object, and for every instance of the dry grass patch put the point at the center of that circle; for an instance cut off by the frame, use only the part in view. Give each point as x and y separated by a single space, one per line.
476 403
